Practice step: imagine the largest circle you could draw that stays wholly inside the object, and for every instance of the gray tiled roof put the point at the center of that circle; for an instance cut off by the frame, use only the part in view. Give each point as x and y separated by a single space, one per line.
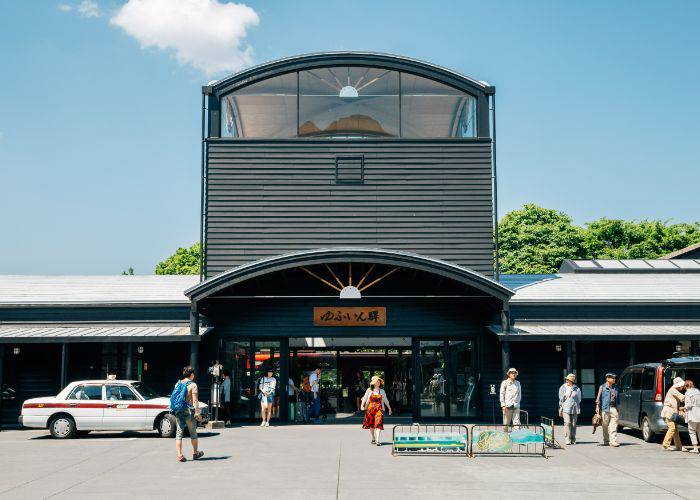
612 288
151 289
98 332
599 329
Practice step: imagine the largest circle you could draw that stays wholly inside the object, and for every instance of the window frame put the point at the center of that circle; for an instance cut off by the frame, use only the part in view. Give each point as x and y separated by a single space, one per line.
121 386
71 394
480 100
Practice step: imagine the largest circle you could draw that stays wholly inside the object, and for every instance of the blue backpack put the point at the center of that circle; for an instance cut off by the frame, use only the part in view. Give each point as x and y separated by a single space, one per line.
178 401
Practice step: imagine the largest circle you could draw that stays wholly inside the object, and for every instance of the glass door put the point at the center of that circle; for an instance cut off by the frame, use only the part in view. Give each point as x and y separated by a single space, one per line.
462 378
236 362
432 377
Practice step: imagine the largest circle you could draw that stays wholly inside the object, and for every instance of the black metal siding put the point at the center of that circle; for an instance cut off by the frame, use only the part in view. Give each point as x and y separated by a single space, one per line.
429 197
65 314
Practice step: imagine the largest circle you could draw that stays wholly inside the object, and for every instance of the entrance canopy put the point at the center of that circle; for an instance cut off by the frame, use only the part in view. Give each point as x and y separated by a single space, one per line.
382 263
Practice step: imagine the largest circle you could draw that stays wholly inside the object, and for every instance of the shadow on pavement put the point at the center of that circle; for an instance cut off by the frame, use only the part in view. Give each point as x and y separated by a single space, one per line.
96 435
204 459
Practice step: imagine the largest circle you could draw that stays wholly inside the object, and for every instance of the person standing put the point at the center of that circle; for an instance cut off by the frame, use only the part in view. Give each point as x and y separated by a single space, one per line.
374 400
570 407
315 383
225 397
692 413
266 393
187 417
606 405
670 412
510 395
292 390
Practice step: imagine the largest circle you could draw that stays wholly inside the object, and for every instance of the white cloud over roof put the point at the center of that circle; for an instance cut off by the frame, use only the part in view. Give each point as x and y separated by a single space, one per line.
205 34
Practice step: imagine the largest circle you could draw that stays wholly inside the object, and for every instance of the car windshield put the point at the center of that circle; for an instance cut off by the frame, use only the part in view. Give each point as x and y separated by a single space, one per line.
144 390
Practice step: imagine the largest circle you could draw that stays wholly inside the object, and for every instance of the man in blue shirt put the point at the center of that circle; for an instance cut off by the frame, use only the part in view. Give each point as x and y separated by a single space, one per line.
606 405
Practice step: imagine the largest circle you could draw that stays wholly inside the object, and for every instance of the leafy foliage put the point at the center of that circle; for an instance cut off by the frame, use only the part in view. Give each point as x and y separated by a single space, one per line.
128 272
183 261
536 239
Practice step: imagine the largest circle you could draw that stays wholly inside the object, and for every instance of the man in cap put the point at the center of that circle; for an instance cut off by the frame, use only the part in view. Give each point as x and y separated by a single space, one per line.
569 406
606 405
509 396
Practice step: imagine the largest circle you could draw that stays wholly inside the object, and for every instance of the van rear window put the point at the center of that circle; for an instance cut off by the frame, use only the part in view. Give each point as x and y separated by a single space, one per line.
684 373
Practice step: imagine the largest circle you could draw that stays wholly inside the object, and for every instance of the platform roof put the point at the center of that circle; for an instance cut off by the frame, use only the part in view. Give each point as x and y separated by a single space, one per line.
600 330
95 333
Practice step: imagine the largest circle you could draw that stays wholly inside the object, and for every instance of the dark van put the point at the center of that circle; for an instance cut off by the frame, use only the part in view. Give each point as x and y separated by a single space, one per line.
642 391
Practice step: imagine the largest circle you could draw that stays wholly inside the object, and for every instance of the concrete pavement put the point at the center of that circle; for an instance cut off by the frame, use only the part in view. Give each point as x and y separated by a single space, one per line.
329 462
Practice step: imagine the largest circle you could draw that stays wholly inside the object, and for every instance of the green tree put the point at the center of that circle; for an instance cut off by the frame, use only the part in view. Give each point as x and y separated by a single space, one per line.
620 239
535 240
183 261
128 272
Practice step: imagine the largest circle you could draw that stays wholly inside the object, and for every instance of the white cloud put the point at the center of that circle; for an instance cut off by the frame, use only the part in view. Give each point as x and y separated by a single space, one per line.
86 8
205 34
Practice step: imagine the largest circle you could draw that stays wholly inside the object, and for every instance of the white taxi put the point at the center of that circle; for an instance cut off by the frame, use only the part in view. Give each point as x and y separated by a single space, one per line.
102 405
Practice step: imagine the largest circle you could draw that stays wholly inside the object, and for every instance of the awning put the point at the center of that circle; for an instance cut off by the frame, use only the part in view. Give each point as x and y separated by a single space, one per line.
599 330
96 333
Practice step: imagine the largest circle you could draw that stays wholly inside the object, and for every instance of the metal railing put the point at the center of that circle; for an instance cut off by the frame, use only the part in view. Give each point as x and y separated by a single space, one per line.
435 439
520 439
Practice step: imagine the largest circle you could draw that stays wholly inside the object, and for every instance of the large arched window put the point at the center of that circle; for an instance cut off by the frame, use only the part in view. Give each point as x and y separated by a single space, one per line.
348 102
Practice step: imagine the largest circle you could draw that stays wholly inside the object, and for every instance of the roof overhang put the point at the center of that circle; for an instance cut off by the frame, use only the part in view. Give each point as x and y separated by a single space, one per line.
342 255
599 330
348 58
97 332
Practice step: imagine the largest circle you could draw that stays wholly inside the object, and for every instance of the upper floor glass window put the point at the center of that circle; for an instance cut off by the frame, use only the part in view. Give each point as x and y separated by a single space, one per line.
348 102
266 109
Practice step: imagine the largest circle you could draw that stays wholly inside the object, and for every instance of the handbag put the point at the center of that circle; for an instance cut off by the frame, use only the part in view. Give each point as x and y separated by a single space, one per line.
596 420
677 418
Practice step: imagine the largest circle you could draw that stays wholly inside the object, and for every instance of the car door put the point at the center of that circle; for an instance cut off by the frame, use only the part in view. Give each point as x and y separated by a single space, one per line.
124 410
633 401
86 404
624 386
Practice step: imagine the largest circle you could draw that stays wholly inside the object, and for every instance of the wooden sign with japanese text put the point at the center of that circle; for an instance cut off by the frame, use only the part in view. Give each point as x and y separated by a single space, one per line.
349 316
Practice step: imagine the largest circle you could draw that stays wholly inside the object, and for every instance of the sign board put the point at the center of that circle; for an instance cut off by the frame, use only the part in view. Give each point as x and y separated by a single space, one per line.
349 316
492 389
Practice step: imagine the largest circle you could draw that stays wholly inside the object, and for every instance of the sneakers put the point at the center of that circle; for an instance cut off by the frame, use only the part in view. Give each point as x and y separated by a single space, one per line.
694 450
615 445
267 424
198 455
262 424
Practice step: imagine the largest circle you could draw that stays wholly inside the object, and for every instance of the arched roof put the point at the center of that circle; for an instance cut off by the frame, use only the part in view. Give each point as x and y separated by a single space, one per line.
325 59
334 255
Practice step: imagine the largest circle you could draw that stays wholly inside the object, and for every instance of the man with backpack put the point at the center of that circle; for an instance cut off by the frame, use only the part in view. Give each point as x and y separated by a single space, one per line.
184 405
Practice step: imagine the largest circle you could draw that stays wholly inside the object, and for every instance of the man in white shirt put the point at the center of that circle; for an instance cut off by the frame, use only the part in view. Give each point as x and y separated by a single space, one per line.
510 398
226 397
314 381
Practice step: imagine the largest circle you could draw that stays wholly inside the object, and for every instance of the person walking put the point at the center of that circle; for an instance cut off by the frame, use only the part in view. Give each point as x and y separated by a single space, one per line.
692 413
266 393
569 407
374 401
509 397
606 406
671 415
225 398
184 403
360 388
315 384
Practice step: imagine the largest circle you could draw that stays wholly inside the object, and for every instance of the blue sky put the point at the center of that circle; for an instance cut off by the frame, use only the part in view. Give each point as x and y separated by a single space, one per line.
99 137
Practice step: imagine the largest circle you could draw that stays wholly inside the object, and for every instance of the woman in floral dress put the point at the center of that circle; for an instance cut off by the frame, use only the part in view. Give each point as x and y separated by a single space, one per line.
374 402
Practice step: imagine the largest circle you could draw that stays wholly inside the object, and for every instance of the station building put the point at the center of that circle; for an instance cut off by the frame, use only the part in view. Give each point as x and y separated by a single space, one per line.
348 208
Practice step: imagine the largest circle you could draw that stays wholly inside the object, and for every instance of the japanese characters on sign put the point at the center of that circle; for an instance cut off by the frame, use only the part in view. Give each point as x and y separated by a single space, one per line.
349 316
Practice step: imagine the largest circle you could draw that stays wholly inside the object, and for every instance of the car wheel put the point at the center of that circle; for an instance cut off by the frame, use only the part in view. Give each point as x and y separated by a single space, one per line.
647 434
62 427
166 426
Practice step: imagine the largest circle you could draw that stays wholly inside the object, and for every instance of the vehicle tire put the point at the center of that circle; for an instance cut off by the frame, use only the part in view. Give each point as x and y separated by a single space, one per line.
166 426
647 434
62 427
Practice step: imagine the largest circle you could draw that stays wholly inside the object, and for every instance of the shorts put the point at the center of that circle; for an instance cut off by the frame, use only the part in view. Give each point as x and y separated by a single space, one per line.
182 420
269 399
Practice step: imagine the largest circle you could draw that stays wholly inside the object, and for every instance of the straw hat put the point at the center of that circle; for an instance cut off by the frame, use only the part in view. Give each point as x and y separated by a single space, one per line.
678 382
512 370
376 379
571 377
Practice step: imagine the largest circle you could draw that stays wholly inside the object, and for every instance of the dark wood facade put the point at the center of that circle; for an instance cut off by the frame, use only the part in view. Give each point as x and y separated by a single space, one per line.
433 198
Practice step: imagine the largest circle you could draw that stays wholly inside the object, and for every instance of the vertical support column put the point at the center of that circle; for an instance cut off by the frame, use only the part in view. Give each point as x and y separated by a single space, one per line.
284 383
633 352
130 360
194 356
694 350
569 357
505 356
574 363
65 360
417 377
2 371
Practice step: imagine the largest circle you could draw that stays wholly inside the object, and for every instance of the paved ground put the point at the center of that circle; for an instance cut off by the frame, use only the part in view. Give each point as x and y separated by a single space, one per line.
328 462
